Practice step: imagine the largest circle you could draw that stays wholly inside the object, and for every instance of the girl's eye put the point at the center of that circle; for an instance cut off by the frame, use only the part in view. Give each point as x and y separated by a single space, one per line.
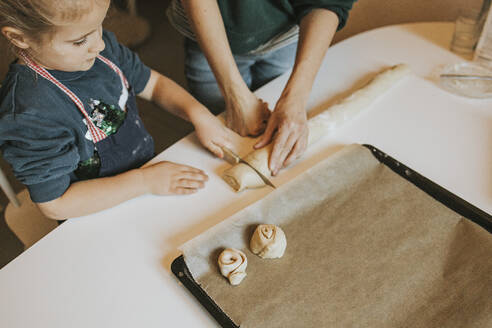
81 42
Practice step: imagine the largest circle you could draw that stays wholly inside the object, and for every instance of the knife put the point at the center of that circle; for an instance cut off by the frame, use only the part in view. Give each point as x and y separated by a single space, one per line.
232 158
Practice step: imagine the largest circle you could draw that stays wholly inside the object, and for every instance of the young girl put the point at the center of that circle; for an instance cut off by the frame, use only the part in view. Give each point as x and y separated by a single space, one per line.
69 124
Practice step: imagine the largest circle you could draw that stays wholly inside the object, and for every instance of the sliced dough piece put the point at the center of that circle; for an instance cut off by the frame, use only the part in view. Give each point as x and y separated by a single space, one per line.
268 241
320 125
232 264
241 175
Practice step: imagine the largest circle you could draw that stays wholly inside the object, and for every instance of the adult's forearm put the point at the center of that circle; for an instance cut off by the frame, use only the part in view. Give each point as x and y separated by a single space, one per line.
206 20
91 196
316 33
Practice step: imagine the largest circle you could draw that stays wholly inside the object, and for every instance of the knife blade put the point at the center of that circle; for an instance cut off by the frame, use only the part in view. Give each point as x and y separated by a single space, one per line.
232 158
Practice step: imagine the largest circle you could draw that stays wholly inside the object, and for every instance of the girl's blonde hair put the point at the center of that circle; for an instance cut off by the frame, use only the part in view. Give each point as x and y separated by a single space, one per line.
37 17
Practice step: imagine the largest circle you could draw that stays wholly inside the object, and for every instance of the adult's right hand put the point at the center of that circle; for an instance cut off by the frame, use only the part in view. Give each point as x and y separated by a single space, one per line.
288 129
246 114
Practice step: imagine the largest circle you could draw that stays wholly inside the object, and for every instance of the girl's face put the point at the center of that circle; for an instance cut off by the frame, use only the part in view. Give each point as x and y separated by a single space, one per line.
73 46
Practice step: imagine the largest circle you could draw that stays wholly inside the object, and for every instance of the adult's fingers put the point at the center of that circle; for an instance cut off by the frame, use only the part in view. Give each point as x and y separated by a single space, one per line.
261 125
267 135
297 151
266 111
278 146
284 150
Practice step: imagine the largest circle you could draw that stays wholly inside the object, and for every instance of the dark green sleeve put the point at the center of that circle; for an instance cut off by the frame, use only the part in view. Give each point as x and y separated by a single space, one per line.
339 7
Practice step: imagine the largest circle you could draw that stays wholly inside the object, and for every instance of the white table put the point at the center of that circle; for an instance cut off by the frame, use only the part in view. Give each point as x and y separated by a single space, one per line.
112 269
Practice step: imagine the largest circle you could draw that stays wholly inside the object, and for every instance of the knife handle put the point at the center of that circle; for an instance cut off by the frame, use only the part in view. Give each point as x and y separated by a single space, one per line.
229 156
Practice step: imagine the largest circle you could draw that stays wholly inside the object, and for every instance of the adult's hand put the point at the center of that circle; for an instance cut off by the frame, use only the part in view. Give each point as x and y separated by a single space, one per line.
246 114
288 128
288 119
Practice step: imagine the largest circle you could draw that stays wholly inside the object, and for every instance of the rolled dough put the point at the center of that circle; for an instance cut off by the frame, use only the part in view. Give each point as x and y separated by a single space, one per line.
268 241
241 177
232 264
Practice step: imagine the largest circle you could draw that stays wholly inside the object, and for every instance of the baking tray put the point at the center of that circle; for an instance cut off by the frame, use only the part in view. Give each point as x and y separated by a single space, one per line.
453 202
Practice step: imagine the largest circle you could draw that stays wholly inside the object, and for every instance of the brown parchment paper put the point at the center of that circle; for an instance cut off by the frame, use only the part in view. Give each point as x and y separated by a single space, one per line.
365 248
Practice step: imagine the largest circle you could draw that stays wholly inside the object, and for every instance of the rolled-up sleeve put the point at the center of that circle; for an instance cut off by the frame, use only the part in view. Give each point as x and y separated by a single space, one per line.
42 154
340 7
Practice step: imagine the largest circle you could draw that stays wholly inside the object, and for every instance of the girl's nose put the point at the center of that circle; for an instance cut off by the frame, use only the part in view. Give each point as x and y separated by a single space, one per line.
98 45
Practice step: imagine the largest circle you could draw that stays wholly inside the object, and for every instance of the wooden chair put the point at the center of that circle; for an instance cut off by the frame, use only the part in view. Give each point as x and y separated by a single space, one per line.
26 220
7 189
22 216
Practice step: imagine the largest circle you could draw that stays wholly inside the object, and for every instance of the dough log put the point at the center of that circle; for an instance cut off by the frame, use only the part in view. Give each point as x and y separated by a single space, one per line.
241 177
232 265
268 241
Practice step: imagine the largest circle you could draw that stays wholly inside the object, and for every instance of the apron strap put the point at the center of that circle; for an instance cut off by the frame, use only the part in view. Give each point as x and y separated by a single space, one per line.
97 134
116 69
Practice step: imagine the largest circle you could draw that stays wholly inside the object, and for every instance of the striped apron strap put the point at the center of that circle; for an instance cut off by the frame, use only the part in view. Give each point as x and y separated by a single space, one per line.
97 134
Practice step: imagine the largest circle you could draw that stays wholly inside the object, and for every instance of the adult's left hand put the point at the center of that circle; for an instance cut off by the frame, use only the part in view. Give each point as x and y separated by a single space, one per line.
288 127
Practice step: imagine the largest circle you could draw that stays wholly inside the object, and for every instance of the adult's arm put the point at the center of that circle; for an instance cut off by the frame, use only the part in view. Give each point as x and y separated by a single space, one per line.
289 119
244 111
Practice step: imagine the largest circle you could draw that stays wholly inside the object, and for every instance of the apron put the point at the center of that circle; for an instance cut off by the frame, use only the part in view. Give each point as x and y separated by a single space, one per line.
130 146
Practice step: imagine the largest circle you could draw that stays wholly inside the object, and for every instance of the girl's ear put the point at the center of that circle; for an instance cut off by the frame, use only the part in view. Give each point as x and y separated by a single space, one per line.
15 36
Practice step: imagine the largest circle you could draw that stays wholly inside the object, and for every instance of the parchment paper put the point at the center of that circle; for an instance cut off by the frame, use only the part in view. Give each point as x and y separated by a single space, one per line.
365 248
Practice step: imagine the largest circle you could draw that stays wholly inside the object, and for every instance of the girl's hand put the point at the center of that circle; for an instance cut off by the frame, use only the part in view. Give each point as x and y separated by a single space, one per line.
167 178
212 133
246 114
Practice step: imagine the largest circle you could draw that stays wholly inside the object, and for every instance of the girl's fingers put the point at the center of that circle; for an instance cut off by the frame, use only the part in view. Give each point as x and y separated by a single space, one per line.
200 176
184 191
190 184
190 169
216 150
